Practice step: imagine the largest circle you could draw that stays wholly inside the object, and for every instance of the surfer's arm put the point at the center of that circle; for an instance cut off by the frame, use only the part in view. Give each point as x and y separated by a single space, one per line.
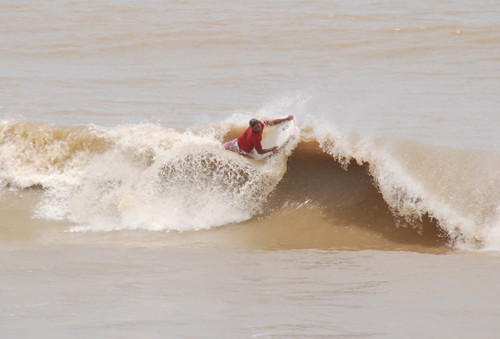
279 121
267 150
260 150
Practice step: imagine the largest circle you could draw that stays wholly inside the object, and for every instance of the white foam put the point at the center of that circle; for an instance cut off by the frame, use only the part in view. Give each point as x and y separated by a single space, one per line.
160 179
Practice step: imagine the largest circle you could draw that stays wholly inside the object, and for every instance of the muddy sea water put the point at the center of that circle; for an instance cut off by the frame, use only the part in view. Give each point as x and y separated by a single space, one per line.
417 73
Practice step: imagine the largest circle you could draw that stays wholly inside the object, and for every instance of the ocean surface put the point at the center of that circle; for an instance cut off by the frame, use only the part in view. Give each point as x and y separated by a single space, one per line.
121 215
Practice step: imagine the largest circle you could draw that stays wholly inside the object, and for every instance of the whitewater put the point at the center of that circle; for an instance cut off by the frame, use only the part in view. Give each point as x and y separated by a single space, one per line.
145 176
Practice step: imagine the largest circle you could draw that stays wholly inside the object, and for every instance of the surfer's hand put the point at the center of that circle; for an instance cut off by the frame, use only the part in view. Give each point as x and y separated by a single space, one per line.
290 117
275 149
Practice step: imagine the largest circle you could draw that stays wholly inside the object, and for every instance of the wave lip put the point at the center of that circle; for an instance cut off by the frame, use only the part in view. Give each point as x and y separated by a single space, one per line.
457 188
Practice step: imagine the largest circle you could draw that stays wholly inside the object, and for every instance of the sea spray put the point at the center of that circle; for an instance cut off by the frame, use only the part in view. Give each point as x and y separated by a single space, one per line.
157 178
35 154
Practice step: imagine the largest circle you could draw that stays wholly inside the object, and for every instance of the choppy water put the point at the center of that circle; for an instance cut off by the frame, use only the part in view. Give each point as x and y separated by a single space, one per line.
112 115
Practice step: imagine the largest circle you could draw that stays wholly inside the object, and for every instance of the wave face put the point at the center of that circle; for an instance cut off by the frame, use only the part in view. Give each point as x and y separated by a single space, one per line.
145 176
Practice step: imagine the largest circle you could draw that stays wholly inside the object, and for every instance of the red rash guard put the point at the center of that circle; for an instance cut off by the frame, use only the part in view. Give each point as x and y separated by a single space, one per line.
248 140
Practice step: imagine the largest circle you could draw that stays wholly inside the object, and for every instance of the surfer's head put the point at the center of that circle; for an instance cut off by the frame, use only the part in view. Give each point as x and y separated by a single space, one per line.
255 124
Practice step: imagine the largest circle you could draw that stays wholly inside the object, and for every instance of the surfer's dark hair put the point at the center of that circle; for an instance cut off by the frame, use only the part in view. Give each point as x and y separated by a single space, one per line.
253 122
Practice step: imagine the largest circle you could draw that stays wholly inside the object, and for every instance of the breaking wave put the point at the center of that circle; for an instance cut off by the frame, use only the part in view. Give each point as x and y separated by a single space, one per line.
145 176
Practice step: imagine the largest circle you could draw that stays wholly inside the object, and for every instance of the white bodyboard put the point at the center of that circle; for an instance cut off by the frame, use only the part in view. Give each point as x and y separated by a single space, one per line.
277 135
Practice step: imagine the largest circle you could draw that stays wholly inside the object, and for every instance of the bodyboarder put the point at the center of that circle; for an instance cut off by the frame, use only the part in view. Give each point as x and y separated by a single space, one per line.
252 137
